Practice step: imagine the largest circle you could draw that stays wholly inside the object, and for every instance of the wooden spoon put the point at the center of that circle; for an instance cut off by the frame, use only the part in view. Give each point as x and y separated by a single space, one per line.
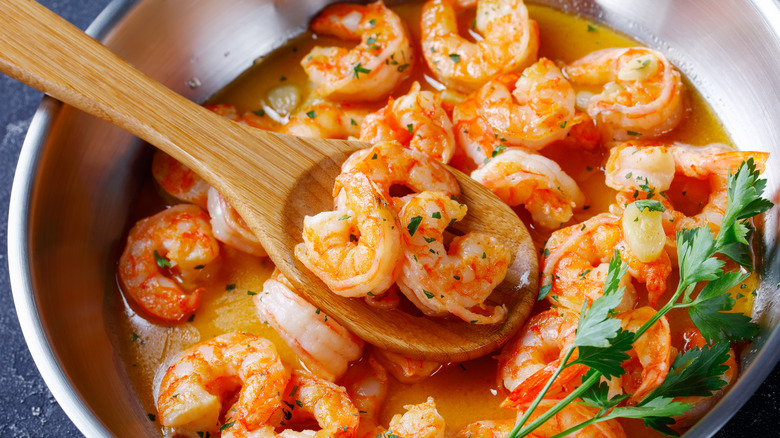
272 180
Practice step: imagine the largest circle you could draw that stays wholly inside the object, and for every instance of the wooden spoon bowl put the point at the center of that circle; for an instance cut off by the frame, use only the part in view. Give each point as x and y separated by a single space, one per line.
273 180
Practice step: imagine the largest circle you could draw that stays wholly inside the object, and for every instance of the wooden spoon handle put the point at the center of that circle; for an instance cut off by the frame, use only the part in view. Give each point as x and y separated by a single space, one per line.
40 49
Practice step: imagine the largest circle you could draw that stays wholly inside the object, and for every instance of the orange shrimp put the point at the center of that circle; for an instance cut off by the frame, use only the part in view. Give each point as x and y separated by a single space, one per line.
165 255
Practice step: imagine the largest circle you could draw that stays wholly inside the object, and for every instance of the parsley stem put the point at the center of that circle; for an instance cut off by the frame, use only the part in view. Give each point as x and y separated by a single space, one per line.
555 409
542 393
584 424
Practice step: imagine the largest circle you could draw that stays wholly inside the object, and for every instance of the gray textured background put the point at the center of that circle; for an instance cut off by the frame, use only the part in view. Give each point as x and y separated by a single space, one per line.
27 408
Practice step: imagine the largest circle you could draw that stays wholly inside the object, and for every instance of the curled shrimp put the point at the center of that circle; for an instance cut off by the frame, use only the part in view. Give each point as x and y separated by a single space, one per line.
355 250
416 120
576 263
528 361
641 96
193 388
383 58
406 369
179 181
701 405
570 416
323 345
532 109
305 397
534 181
642 170
510 41
649 363
229 227
166 254
419 421
366 382
323 119
456 280
388 164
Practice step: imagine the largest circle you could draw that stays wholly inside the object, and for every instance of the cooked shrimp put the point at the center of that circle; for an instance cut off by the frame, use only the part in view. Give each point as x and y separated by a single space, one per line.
179 181
323 119
305 397
577 259
389 164
649 362
407 369
701 405
528 361
383 58
570 416
532 109
356 250
510 42
166 255
323 345
641 170
641 96
534 181
474 136
440 281
416 120
419 421
487 429
366 382
326 402
229 227
192 391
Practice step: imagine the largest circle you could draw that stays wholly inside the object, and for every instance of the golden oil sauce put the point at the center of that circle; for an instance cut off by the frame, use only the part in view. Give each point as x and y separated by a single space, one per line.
466 392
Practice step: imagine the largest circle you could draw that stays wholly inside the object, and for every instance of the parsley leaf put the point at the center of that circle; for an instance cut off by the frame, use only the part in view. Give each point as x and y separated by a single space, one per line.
608 360
651 205
413 224
744 194
710 311
656 413
543 291
695 250
597 395
596 327
161 261
359 69
694 373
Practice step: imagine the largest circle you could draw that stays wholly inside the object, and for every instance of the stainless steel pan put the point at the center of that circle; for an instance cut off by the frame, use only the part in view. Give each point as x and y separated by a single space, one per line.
77 176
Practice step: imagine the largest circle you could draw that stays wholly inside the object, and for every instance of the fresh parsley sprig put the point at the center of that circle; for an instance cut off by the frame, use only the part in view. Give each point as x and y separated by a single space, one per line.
600 335
602 343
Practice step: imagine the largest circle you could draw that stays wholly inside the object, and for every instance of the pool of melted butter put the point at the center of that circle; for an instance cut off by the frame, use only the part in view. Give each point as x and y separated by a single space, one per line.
465 392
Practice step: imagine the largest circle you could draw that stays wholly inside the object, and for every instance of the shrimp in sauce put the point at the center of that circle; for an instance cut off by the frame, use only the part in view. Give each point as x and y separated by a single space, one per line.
165 255
529 360
511 40
641 92
323 345
458 279
416 120
229 227
389 164
534 181
191 392
179 181
355 250
577 257
641 170
383 58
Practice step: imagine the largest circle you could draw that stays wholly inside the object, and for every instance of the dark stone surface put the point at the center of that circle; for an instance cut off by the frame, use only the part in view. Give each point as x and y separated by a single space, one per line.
27 408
